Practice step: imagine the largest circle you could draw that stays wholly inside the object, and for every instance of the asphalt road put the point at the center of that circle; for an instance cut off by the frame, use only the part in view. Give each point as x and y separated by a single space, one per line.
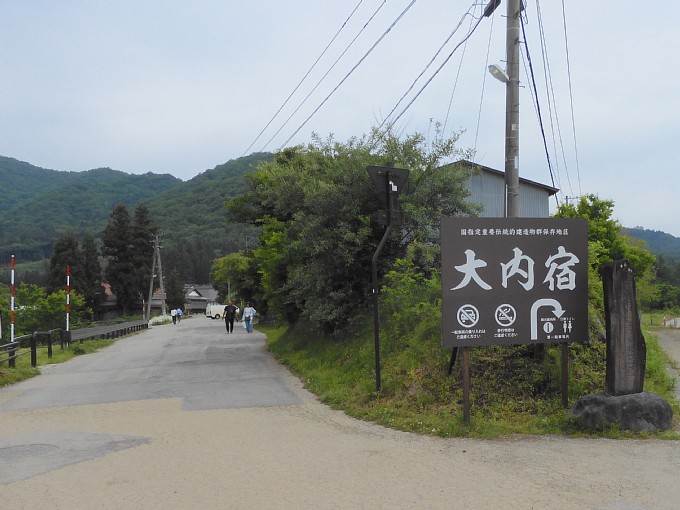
194 360
186 416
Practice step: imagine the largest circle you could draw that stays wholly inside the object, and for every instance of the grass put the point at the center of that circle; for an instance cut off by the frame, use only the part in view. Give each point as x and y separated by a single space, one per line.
512 393
24 370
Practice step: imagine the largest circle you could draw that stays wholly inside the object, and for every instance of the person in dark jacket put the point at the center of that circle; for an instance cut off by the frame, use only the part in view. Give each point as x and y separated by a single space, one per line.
230 312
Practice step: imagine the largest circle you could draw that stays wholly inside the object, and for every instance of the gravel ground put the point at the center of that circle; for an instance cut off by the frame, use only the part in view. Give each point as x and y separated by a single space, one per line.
161 456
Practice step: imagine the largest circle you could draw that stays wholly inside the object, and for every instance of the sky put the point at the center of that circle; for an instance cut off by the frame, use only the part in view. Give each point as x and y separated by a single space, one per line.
179 86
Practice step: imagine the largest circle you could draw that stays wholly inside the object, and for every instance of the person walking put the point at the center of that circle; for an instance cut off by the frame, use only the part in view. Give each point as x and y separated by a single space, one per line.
173 314
248 316
230 312
179 315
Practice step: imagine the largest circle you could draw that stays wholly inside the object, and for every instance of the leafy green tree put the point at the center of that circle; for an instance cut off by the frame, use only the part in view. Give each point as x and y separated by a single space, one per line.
606 243
607 232
237 273
317 205
4 311
38 311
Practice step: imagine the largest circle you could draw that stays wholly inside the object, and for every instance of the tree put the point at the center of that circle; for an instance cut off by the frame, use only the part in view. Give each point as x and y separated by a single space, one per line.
66 252
128 250
317 205
606 243
143 230
90 287
38 311
174 290
118 247
606 231
237 273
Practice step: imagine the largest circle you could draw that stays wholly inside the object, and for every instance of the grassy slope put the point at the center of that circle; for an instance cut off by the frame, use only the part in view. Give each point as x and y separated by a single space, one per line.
511 393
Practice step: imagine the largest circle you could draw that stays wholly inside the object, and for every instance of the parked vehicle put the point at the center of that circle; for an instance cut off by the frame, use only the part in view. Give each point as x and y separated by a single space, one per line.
214 311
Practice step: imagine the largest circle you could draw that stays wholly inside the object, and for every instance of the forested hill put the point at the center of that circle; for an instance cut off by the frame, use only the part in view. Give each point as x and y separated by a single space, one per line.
194 222
659 243
37 203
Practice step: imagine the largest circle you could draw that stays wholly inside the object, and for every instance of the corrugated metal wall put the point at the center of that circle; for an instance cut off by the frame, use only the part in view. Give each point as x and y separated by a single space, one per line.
489 190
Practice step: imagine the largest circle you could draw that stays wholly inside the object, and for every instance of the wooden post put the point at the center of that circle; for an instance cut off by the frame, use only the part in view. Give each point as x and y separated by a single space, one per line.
466 385
565 375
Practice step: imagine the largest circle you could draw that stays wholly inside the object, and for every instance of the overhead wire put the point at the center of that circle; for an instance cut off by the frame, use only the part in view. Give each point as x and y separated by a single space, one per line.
537 105
304 77
370 50
427 66
436 72
551 99
481 95
351 43
571 97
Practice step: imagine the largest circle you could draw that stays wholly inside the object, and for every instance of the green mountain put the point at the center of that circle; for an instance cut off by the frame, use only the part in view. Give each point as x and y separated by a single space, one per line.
38 203
659 243
194 221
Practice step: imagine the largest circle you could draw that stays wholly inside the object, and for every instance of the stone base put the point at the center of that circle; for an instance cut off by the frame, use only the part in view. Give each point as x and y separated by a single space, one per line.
637 412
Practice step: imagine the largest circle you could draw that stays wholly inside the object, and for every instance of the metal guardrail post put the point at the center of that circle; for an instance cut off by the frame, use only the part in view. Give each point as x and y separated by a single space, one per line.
12 354
34 350
65 337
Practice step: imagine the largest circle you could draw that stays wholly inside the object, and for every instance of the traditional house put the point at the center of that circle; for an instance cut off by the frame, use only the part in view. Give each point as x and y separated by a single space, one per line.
198 297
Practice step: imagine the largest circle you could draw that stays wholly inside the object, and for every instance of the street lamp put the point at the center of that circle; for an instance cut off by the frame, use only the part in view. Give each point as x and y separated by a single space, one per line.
498 73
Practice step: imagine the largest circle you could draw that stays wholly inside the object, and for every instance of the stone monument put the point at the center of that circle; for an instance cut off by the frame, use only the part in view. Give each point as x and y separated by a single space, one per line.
626 349
625 403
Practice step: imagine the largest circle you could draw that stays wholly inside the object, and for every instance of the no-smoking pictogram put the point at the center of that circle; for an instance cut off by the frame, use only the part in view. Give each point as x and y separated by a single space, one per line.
506 315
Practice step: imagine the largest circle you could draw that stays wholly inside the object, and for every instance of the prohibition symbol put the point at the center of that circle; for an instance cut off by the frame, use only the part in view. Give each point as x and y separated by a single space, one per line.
506 315
468 316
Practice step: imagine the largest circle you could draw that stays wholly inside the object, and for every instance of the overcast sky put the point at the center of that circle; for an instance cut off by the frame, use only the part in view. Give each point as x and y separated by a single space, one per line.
178 86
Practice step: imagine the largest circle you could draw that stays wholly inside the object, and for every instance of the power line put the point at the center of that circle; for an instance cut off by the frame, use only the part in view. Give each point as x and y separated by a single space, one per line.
550 92
538 106
427 66
351 43
481 95
436 72
571 97
304 77
401 15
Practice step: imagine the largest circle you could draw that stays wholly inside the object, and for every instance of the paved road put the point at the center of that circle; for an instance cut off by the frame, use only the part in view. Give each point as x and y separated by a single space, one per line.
186 416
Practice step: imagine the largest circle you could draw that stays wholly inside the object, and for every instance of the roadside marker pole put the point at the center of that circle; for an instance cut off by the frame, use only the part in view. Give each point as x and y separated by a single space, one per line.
11 305
68 295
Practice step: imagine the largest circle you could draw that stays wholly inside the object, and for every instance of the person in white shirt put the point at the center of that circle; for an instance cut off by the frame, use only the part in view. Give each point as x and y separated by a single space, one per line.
248 316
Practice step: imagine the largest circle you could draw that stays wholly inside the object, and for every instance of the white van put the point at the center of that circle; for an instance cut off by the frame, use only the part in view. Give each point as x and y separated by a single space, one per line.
214 311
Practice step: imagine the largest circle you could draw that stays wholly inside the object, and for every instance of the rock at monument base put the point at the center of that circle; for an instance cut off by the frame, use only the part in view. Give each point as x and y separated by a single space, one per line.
637 412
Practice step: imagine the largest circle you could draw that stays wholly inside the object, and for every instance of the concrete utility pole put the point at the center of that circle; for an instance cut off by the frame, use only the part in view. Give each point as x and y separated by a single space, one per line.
512 111
156 260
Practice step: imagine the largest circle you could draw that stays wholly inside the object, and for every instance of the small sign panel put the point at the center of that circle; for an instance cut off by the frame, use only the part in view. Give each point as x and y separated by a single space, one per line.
514 280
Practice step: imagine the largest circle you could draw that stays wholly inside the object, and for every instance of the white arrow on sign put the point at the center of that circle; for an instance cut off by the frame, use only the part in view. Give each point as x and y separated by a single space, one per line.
557 311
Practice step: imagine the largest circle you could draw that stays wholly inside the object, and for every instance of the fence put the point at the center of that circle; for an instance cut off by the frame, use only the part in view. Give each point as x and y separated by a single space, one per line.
10 352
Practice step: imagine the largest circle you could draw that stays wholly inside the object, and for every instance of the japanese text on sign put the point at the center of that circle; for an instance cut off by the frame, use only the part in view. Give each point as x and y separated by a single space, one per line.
513 280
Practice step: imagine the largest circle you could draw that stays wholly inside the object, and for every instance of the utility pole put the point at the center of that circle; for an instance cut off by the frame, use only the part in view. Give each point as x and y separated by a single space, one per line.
156 260
512 111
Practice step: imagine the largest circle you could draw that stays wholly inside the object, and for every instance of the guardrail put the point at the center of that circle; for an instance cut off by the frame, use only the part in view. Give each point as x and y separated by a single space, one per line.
10 352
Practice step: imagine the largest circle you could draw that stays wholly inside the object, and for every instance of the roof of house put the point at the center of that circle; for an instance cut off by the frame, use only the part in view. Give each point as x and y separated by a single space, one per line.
550 189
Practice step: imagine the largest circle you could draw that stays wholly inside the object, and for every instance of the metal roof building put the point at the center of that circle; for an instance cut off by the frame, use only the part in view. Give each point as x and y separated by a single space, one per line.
487 188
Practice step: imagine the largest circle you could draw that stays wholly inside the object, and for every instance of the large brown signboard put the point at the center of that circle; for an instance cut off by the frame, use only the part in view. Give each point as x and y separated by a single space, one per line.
514 280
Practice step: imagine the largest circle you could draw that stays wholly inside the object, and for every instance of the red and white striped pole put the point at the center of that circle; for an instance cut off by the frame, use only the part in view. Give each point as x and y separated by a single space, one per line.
11 305
68 295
